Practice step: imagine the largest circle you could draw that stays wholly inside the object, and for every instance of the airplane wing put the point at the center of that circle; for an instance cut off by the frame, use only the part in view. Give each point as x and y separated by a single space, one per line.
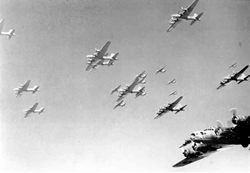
30 110
172 105
190 9
27 114
104 49
34 107
141 75
134 83
22 88
111 62
161 112
219 87
118 104
122 95
90 66
26 85
94 64
1 25
160 70
115 89
189 160
173 25
233 65
157 71
240 72
227 82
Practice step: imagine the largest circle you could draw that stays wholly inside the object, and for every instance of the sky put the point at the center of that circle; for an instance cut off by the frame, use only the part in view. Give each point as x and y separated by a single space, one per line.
79 130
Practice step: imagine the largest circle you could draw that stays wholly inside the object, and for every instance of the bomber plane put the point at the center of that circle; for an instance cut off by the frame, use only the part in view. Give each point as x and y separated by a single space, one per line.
24 88
161 70
140 78
203 143
172 81
233 65
236 76
173 93
33 110
184 15
101 57
170 107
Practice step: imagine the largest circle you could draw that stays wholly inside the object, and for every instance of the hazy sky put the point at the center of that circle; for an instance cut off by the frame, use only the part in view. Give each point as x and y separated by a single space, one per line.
79 130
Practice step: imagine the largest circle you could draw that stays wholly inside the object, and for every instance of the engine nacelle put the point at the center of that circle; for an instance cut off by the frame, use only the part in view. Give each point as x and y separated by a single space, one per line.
97 50
176 15
245 145
183 9
90 56
173 18
171 21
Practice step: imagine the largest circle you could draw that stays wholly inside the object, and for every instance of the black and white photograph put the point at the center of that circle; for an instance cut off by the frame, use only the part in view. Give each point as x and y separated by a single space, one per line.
124 86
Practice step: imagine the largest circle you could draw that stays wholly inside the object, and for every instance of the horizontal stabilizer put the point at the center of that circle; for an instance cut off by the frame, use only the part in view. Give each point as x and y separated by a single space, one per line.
245 78
192 22
197 18
11 33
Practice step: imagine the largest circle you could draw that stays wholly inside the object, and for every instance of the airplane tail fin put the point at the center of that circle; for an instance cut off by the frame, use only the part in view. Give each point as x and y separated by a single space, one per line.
11 33
35 89
41 110
115 56
197 17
